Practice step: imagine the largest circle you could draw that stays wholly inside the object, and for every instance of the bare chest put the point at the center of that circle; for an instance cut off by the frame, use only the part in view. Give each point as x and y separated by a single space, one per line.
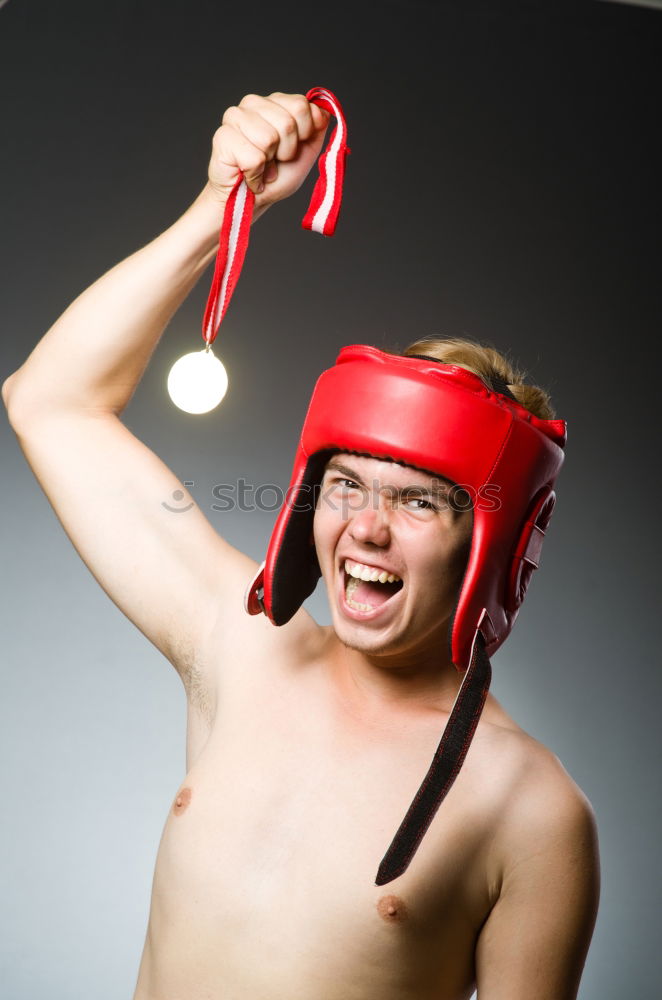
265 875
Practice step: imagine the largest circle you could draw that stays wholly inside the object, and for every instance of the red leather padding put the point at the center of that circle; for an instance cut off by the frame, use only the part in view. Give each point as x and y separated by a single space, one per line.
441 419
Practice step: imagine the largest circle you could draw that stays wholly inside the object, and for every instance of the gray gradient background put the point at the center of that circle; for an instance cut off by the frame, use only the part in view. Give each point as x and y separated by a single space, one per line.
503 184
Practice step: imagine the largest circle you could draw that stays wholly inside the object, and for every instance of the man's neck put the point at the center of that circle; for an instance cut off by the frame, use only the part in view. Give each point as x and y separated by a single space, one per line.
398 683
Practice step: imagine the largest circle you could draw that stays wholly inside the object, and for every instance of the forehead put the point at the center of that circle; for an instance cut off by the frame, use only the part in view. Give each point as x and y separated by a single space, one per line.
367 466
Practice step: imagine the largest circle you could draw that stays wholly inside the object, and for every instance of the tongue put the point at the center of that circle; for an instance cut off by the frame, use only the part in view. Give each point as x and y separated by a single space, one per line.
365 592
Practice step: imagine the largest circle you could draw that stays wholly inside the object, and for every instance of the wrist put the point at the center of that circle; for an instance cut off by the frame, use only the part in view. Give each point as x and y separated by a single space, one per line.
207 212
205 216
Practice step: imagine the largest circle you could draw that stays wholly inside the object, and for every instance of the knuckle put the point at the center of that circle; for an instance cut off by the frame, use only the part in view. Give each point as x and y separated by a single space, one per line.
230 112
272 137
300 103
249 100
217 138
254 159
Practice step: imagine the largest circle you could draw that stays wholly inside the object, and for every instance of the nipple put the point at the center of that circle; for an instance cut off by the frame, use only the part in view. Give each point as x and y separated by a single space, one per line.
391 909
181 801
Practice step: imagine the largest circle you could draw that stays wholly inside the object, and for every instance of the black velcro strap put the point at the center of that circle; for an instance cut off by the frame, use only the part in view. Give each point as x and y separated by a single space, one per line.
445 766
498 385
494 383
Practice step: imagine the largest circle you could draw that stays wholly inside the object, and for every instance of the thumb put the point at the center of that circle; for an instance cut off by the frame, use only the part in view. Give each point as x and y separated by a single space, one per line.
252 165
320 117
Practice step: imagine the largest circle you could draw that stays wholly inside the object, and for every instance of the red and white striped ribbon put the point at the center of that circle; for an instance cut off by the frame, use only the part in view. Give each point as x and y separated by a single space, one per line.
322 214
321 217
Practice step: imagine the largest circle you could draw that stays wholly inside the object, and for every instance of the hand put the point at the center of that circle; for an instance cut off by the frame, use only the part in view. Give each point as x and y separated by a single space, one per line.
273 141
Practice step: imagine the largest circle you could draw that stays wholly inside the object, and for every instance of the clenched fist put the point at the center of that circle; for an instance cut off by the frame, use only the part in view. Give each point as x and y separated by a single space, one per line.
273 141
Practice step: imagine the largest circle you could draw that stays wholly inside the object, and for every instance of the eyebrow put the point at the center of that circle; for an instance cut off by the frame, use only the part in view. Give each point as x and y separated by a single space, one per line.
438 491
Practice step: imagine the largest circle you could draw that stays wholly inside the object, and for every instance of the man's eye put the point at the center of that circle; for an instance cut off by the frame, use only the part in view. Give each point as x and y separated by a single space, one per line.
424 504
348 484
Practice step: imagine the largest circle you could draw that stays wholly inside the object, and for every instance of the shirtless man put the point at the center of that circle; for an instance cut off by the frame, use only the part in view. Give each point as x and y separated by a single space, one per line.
303 742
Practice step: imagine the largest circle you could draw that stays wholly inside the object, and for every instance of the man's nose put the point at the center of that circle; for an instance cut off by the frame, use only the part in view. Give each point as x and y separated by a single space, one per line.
371 523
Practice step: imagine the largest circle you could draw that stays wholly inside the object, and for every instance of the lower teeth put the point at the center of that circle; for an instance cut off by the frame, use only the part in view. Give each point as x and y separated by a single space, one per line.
360 607
351 587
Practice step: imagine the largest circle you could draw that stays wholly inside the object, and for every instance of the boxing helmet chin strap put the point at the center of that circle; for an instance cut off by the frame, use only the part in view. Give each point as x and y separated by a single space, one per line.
446 763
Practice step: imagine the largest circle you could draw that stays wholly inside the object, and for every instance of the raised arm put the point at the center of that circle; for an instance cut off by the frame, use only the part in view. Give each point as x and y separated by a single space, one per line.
96 353
167 570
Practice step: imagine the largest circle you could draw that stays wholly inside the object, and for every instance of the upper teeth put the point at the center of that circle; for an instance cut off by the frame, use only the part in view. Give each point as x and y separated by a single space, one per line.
363 572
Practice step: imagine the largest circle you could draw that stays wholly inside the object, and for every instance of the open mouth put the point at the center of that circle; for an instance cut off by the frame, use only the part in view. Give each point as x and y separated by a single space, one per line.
367 588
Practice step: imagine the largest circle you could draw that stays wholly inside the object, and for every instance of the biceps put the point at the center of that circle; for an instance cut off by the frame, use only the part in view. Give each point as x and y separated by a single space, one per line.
535 941
151 548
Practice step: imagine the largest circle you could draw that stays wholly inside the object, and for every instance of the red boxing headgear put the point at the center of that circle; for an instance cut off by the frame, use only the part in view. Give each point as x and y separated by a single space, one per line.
503 456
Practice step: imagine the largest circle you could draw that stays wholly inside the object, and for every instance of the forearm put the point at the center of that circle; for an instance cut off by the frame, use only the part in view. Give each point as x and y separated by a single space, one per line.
94 356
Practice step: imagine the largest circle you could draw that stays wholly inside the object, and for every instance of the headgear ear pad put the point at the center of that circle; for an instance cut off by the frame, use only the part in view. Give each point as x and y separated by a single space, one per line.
444 420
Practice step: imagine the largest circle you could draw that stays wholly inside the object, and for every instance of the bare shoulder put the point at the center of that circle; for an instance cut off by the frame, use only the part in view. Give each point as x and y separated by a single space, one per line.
537 804
239 641
533 767
542 797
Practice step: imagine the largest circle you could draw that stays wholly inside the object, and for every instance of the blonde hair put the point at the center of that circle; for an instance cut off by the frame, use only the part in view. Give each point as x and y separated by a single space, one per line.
487 363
